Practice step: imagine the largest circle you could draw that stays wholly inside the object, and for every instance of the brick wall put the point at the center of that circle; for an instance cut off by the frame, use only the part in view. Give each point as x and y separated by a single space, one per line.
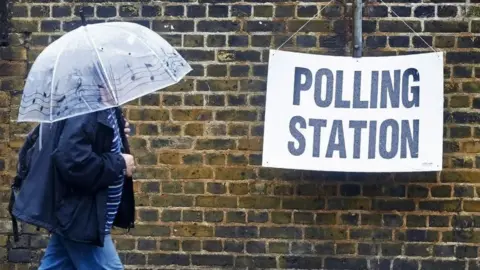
204 200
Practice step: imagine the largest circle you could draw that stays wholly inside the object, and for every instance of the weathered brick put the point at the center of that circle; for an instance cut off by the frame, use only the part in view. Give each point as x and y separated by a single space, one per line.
193 230
215 201
191 173
169 259
172 200
173 25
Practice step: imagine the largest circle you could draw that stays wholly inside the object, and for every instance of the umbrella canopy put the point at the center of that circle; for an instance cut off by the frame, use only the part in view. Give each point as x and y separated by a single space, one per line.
98 66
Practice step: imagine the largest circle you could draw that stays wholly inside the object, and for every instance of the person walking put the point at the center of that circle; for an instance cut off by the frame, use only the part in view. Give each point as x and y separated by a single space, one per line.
76 181
93 190
90 158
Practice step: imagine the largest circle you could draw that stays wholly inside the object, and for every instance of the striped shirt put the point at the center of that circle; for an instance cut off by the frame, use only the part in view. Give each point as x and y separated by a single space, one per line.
114 190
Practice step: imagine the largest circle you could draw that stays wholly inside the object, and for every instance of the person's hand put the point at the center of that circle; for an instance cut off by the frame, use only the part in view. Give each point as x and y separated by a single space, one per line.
130 164
127 128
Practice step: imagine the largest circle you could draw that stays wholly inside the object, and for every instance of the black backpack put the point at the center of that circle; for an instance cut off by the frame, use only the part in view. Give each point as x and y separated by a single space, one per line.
23 166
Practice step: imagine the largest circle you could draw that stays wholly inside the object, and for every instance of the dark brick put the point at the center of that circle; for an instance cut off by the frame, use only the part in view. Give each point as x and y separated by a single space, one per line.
401 11
399 26
424 11
174 11
468 42
447 11
301 248
376 42
466 252
446 26
237 41
263 11
392 220
134 258
241 10
239 71
251 262
300 262
191 245
171 215
350 190
325 233
212 245
20 11
256 247
148 215
20 255
463 57
196 11
168 259
173 25
106 11
336 41
264 26
405 264
40 11
128 11
346 263
219 11
394 204
285 11
234 246
236 232
416 191
151 11
325 248
61 11
213 260
197 55
332 11
398 41
391 249
260 217
306 11
376 11
423 250
422 41
442 264
443 251
445 41
306 41
441 206
218 26
146 244
463 191
50 26
281 233
462 72
438 221
420 236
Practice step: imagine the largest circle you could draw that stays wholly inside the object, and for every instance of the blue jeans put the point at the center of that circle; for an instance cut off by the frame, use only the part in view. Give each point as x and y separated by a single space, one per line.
63 254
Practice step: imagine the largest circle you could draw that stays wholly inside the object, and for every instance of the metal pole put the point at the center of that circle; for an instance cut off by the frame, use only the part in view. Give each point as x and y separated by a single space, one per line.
357 28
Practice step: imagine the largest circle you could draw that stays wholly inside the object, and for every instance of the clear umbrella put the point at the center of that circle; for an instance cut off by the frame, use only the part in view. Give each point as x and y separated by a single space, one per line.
96 67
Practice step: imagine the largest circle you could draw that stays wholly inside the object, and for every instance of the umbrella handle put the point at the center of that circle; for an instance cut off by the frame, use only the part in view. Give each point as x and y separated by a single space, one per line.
82 17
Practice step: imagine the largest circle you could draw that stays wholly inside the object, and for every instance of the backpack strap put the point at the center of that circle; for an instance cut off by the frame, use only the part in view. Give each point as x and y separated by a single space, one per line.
13 218
22 170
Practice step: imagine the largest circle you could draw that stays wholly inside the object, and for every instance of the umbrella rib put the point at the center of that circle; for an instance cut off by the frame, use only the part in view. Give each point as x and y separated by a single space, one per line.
54 72
101 64
146 45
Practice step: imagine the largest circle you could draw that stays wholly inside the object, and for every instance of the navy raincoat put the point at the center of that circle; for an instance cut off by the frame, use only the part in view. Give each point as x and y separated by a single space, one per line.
65 190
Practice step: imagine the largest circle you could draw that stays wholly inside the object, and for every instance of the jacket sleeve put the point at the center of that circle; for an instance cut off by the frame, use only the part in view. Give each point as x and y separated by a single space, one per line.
76 162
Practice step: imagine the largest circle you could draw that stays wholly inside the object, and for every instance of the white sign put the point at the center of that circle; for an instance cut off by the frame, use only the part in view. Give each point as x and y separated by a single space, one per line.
369 114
